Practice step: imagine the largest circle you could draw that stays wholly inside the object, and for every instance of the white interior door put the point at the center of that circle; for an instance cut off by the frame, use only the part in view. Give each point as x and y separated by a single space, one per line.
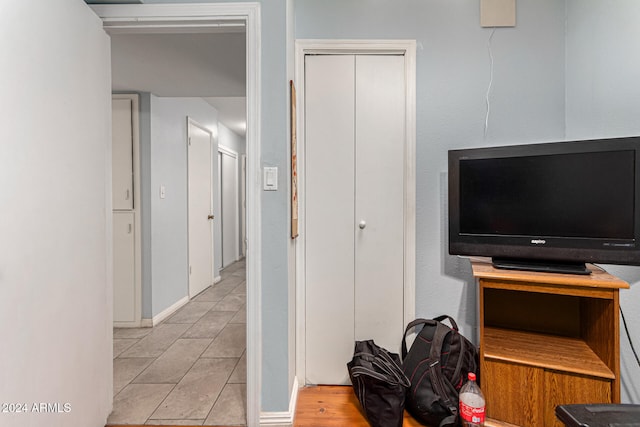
229 209
380 136
200 209
329 213
354 201
127 274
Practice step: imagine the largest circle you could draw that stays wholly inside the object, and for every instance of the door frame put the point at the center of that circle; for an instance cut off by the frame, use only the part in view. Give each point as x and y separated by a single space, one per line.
191 122
171 18
222 150
407 48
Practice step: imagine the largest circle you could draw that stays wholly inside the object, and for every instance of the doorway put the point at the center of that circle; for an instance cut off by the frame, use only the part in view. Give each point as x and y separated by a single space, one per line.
160 19
366 211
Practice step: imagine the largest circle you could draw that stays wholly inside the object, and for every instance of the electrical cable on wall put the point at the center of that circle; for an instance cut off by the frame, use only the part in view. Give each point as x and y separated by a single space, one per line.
486 119
624 322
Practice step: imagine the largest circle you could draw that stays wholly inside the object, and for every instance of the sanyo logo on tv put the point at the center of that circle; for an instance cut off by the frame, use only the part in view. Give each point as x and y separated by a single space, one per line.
538 241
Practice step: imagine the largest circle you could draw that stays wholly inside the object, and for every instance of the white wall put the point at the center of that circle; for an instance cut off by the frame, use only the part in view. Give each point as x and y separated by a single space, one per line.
603 100
169 243
55 222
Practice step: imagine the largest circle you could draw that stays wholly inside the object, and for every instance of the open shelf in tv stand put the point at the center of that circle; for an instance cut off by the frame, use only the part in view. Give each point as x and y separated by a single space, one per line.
546 339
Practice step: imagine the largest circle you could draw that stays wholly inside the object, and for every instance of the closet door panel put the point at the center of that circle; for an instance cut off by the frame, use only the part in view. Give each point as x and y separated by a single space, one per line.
122 154
329 210
379 247
123 267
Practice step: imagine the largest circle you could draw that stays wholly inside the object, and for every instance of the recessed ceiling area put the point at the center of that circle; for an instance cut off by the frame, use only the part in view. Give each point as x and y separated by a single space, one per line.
204 65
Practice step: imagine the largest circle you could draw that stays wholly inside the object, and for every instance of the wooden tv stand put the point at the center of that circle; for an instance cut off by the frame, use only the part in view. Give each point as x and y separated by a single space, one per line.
545 340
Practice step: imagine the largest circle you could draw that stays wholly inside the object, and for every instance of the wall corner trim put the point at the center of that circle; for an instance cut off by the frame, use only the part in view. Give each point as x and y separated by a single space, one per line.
169 310
283 418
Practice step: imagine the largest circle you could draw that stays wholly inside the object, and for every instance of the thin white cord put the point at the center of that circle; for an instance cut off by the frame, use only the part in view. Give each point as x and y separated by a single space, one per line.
486 119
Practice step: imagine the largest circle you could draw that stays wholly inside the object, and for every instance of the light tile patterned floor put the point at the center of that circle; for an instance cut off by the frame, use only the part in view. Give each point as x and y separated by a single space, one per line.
192 368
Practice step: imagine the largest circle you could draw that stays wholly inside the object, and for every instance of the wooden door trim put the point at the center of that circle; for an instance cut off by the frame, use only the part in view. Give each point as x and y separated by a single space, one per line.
406 48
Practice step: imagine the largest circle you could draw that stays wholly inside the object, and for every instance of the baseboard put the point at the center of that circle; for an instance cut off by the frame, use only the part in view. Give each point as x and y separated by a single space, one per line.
169 311
128 324
284 418
146 323
217 279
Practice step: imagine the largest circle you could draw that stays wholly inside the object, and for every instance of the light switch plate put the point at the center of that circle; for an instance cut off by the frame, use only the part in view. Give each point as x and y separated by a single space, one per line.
270 179
498 13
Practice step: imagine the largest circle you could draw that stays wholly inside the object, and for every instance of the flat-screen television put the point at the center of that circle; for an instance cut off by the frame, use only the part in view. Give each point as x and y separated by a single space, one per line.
549 206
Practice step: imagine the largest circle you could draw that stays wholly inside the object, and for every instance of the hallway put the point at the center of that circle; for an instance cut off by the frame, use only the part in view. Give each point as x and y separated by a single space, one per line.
191 368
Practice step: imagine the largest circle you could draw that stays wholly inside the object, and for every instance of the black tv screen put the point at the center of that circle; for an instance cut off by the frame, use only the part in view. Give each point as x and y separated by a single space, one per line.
554 204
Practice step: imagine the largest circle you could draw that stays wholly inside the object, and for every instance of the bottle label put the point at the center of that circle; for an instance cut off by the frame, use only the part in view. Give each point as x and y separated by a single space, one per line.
471 414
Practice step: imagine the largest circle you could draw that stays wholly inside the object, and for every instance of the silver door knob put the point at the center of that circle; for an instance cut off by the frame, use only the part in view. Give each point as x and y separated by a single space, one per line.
362 225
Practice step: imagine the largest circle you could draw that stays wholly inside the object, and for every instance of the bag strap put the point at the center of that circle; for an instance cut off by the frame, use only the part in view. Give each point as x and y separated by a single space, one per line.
413 324
448 421
437 377
380 364
421 321
451 321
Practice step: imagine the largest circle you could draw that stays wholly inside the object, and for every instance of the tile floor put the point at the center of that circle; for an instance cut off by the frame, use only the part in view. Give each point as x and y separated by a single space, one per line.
191 368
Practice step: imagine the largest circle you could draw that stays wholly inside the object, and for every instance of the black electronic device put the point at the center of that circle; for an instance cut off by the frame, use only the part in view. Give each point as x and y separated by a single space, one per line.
549 206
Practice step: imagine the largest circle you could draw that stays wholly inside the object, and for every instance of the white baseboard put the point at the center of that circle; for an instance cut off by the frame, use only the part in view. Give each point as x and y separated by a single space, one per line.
146 323
127 324
169 311
217 279
284 418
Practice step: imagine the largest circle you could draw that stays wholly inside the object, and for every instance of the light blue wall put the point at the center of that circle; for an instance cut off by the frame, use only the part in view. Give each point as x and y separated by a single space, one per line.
169 258
603 100
231 140
527 105
453 73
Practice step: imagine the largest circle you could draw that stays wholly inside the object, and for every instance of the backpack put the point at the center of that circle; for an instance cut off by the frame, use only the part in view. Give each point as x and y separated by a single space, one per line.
437 365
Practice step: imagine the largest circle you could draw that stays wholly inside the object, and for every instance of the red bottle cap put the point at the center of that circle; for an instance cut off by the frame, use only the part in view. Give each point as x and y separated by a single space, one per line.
472 376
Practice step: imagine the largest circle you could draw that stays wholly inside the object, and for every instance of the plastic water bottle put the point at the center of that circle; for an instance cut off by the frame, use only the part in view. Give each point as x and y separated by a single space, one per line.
472 403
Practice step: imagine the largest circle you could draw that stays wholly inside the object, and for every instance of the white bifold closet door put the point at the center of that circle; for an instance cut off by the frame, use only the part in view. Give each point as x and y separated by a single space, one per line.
354 189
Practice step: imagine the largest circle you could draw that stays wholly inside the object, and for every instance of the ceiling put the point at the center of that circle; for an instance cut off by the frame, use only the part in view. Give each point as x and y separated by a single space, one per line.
205 65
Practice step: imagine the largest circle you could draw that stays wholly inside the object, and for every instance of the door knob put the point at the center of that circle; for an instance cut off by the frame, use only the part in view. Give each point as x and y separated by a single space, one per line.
210 217
362 225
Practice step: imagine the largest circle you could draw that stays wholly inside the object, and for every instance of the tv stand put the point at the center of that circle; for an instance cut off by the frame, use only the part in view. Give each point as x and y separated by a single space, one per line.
545 340
540 265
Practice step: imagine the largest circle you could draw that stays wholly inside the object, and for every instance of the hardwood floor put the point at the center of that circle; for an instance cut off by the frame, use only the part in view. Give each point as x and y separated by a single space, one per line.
329 406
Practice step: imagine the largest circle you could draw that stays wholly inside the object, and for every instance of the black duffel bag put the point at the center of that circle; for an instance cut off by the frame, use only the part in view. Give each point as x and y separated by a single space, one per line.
379 384
437 366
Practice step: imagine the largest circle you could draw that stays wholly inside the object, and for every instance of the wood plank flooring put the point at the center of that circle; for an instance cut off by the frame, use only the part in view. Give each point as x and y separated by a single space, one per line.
333 406
328 406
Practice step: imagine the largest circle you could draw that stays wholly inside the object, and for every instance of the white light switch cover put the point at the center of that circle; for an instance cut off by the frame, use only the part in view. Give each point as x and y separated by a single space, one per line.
270 181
